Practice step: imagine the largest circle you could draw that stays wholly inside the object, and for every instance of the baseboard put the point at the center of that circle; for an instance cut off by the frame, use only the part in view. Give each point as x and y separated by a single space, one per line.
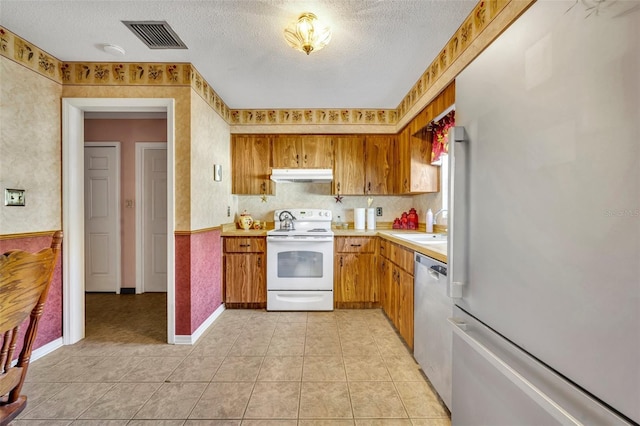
192 339
46 349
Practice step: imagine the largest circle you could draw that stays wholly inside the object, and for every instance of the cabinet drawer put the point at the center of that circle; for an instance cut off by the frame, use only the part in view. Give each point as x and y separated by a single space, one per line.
384 247
355 245
402 257
397 254
244 245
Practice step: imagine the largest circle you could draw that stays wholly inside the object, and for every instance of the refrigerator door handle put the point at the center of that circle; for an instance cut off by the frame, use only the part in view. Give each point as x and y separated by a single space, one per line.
458 206
546 403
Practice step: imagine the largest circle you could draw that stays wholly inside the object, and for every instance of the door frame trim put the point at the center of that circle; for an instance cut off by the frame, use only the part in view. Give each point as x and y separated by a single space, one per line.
141 148
73 313
115 145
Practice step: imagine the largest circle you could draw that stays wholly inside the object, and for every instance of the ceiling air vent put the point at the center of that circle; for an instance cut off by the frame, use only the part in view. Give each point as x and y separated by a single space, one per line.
156 34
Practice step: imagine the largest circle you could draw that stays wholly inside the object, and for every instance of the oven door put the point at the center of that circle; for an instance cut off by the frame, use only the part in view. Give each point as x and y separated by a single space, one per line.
302 264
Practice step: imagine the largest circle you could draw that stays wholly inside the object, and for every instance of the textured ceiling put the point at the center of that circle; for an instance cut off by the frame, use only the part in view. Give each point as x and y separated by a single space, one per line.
378 50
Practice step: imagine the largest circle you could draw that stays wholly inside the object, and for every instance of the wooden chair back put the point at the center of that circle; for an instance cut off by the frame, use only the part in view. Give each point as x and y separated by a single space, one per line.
24 284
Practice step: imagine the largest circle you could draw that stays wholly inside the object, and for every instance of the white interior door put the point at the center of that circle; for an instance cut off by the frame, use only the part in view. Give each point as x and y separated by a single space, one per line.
102 218
154 220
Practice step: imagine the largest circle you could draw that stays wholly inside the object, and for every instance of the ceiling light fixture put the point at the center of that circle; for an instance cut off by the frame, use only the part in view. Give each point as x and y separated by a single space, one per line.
307 34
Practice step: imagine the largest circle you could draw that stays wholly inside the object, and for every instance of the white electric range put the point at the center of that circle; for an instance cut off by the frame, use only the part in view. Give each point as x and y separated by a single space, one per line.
300 261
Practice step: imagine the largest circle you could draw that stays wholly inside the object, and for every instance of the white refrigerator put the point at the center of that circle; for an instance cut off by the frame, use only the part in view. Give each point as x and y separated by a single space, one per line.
544 261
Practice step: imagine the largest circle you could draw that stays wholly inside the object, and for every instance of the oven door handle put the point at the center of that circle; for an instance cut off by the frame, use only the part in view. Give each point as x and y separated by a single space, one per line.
287 240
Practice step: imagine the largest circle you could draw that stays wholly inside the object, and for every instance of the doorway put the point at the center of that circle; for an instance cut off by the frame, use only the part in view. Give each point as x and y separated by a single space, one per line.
151 218
73 202
102 217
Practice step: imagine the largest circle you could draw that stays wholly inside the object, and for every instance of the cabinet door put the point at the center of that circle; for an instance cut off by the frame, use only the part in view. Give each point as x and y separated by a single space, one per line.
348 168
405 306
245 278
379 160
354 278
384 278
392 293
403 172
286 152
317 152
251 164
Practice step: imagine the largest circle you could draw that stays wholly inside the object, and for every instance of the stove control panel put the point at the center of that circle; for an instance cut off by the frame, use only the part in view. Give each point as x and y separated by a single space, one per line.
306 214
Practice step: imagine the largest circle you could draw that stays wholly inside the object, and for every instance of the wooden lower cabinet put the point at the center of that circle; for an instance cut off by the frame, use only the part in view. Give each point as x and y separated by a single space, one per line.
396 277
245 272
355 282
405 306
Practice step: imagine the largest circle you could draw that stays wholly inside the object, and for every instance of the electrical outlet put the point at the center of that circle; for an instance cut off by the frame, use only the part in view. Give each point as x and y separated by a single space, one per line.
378 211
228 211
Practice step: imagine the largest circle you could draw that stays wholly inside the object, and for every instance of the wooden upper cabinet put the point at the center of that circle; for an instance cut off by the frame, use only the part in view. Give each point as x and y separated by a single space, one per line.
416 174
302 151
317 152
379 164
348 168
251 164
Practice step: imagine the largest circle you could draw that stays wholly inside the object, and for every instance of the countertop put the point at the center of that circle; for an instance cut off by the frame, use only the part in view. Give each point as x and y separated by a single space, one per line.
435 251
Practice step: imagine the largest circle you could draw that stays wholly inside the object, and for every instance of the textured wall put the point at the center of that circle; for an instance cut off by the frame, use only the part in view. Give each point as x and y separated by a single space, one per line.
127 132
206 276
210 144
183 284
318 195
50 327
29 149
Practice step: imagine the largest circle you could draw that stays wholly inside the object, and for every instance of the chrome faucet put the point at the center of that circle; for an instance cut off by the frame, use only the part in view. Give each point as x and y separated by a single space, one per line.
435 216
286 223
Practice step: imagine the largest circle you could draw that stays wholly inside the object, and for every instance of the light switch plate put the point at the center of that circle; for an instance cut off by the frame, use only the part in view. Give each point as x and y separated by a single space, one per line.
13 197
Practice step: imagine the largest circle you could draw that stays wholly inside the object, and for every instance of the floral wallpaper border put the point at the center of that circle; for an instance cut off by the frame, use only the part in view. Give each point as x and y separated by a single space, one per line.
482 14
185 74
313 116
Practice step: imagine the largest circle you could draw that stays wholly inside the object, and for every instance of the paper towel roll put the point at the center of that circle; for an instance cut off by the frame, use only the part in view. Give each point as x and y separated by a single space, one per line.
359 218
371 218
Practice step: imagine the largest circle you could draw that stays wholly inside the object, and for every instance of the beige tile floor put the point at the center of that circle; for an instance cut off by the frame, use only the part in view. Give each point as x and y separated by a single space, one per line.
251 367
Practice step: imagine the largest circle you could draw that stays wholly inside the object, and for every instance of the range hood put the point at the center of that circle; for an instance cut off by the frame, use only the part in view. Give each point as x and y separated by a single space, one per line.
302 175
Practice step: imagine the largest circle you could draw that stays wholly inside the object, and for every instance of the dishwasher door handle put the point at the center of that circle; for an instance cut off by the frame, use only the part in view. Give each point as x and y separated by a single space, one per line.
434 274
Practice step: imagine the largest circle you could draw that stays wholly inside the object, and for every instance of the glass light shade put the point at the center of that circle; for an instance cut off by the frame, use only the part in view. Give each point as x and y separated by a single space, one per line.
307 34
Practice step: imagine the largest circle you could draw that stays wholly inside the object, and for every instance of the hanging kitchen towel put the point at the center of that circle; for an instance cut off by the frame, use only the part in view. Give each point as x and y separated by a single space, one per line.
359 218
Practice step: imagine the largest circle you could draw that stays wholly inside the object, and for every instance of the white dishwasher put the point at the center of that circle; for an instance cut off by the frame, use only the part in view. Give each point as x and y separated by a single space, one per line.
433 334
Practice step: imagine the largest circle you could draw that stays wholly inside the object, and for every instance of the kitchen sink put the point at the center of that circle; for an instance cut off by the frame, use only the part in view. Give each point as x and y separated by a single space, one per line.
423 238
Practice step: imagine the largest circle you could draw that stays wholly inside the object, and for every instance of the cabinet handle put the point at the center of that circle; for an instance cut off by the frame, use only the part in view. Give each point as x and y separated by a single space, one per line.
245 245
369 188
264 187
259 262
406 184
356 245
297 159
338 186
341 261
305 158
